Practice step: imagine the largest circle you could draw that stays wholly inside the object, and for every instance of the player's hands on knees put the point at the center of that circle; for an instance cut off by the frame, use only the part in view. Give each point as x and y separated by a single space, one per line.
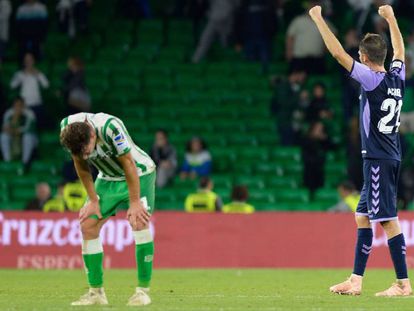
138 216
386 11
90 208
315 12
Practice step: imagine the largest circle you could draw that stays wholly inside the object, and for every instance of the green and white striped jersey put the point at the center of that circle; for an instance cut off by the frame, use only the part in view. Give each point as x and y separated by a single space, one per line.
112 142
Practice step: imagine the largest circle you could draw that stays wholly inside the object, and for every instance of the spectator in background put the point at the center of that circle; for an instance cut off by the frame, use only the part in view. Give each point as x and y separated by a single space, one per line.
165 157
197 161
5 12
3 104
349 198
366 14
55 204
205 200
81 14
287 102
135 8
305 49
18 133
361 12
239 197
197 12
43 194
75 92
315 144
74 196
31 27
351 88
66 24
258 26
318 109
30 81
220 23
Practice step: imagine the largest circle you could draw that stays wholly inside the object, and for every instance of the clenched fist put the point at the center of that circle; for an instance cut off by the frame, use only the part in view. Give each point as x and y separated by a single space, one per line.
386 11
315 12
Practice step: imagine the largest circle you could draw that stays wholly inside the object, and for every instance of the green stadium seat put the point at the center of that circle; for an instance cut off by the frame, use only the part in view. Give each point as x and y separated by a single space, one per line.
286 154
326 197
14 205
23 193
261 196
46 168
251 182
281 182
9 168
138 72
189 82
292 196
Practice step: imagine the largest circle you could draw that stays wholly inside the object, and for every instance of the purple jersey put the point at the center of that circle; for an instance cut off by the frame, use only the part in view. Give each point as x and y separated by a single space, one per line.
380 107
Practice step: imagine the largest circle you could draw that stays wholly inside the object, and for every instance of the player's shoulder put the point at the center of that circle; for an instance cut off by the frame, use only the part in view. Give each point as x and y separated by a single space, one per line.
107 122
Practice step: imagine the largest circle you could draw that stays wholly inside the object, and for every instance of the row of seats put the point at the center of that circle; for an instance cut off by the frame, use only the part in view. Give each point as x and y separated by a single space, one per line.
132 74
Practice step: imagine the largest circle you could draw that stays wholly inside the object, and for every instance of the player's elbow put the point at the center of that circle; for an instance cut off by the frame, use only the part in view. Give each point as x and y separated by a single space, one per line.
338 55
399 54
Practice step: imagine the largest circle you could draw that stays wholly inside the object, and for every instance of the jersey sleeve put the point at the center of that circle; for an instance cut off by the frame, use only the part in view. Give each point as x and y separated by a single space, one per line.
116 136
397 68
368 79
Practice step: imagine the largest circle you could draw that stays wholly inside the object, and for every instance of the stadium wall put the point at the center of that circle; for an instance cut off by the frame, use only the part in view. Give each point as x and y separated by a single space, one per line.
277 240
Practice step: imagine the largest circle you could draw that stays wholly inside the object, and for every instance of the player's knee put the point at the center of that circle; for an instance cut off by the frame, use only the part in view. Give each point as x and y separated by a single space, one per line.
138 227
362 222
391 228
89 232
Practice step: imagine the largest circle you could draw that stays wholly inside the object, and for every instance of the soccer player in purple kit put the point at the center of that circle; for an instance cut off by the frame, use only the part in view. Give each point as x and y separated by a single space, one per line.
381 98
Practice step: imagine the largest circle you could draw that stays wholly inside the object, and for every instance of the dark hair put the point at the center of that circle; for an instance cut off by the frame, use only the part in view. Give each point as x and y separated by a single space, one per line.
319 84
347 185
77 61
164 132
75 137
374 46
240 193
18 98
202 142
204 182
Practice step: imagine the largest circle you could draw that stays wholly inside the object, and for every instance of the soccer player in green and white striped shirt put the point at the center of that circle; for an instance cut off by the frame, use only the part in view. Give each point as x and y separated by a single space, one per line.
126 178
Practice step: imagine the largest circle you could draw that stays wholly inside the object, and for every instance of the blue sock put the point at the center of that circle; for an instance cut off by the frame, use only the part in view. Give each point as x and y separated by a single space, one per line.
398 251
362 249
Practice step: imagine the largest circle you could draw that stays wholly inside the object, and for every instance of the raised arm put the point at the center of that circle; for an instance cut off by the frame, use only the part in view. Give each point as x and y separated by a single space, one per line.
397 41
332 43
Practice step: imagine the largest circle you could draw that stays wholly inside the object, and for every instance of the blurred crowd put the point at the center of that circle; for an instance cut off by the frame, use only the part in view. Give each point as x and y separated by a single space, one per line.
302 111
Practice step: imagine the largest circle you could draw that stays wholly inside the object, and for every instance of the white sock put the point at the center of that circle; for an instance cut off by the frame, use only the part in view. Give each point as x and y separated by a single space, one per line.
90 247
142 237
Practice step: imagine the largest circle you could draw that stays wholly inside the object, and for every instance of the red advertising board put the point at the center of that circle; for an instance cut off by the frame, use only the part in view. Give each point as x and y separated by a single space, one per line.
307 240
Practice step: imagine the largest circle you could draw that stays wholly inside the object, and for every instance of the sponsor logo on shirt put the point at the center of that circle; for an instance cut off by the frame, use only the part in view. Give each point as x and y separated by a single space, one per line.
121 142
120 139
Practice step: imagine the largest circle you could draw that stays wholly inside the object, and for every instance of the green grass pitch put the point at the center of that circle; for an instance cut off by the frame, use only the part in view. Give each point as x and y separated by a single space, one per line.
201 290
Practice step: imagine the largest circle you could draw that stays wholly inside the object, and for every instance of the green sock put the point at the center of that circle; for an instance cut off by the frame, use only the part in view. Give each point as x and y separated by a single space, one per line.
144 250
92 253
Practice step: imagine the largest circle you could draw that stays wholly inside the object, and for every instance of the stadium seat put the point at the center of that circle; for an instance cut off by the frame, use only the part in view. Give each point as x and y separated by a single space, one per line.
137 70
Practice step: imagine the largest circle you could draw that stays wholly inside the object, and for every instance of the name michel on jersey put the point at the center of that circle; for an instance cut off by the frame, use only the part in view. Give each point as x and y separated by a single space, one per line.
394 92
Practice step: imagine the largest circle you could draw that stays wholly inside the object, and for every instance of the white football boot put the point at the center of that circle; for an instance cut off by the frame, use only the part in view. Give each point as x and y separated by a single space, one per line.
95 296
140 298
